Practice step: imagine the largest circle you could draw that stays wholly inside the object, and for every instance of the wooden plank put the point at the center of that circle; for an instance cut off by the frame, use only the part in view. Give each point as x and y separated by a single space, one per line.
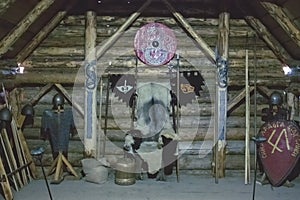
23 25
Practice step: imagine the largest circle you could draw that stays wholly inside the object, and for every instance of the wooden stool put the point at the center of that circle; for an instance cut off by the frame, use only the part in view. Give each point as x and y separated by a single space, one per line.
58 166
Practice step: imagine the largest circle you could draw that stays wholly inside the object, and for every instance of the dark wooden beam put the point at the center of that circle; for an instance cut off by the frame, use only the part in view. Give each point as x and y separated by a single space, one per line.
265 35
104 47
23 25
188 28
283 20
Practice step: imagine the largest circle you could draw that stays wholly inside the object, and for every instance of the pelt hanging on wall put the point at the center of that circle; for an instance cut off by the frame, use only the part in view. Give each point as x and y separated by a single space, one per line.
152 109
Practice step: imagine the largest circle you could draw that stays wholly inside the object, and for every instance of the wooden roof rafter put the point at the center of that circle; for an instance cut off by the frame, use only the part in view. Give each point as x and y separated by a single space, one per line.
120 31
266 36
283 20
44 32
4 5
188 28
23 25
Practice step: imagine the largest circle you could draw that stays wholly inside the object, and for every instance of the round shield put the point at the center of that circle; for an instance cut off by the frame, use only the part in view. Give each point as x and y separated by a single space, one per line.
155 44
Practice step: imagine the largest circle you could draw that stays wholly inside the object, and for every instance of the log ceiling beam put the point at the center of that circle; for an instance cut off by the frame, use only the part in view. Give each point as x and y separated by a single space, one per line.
30 47
265 35
188 28
5 4
45 31
23 25
104 47
283 20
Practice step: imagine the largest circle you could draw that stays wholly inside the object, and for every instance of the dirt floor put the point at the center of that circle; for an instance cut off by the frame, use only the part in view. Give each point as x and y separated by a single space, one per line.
189 187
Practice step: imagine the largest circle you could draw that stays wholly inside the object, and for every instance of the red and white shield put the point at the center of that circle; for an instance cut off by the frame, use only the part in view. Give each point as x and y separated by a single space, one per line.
280 153
155 44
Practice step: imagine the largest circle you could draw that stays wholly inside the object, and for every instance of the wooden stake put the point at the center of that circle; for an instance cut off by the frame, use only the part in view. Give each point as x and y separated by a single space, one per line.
8 195
57 167
25 148
9 163
102 138
11 156
247 137
20 153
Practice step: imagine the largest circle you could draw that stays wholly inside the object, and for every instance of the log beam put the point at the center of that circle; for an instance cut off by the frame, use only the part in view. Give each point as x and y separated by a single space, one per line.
283 20
188 28
29 48
265 35
101 50
23 25
5 4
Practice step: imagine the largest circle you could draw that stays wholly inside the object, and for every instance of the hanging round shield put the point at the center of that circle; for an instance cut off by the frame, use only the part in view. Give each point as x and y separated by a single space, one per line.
155 44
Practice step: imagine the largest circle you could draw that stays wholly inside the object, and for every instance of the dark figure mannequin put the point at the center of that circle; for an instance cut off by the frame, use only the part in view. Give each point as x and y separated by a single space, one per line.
276 111
58 126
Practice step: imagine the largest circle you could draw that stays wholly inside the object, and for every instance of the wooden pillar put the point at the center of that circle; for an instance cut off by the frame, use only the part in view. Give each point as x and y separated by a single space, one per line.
90 117
221 96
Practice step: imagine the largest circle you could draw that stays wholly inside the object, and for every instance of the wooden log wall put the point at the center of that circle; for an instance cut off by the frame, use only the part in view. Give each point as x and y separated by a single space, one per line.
59 58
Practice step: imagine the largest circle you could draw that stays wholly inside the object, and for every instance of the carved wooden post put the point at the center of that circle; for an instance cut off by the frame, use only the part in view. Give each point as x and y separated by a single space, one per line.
90 117
221 95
